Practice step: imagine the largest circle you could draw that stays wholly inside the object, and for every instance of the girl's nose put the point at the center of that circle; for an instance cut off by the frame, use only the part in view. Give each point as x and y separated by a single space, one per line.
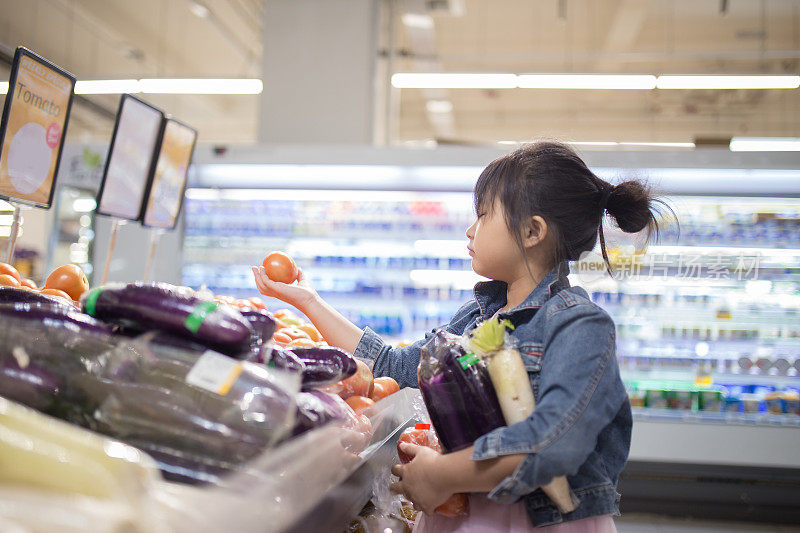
471 230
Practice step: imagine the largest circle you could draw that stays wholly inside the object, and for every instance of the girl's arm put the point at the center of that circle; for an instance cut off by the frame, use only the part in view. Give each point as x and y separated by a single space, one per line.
335 328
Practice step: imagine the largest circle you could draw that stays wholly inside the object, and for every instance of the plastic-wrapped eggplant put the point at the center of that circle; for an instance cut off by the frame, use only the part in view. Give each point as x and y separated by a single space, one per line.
263 323
277 357
203 404
315 409
325 365
32 384
17 295
458 393
175 309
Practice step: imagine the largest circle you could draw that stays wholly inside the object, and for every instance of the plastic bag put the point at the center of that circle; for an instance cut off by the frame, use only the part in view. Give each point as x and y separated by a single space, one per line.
64 476
201 414
458 393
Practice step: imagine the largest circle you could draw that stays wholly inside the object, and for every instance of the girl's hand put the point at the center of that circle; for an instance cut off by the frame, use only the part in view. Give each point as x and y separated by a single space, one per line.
419 480
300 295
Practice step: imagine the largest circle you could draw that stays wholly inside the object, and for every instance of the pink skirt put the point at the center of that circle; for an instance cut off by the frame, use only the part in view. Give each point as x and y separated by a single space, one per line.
486 515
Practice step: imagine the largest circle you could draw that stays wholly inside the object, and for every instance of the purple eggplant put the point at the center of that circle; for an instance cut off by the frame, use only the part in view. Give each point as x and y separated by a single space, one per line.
16 295
458 393
315 409
31 384
281 358
263 323
325 365
166 307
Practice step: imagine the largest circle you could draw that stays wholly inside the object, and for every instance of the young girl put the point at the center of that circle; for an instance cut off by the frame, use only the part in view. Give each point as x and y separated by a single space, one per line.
537 208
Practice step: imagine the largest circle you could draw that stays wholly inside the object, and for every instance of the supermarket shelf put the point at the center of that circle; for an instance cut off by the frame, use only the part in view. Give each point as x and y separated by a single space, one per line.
647 414
707 442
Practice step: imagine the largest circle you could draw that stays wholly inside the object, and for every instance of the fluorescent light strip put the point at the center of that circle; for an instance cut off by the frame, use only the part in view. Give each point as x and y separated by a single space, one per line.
765 144
439 80
430 80
586 81
166 86
201 86
107 86
728 82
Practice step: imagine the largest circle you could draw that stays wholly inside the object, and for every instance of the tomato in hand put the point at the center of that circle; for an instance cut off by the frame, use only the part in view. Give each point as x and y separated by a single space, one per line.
280 267
5 268
70 279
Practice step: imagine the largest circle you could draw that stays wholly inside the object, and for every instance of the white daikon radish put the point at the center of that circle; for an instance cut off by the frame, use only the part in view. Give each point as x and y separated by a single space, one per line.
514 393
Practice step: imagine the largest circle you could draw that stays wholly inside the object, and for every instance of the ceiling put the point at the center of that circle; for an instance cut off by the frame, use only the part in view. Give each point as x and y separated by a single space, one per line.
101 39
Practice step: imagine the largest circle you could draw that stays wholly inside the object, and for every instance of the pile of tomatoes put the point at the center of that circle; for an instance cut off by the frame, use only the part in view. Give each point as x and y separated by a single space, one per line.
67 282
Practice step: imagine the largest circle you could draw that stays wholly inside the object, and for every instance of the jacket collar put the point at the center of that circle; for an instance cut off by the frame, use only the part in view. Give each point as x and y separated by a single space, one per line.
491 295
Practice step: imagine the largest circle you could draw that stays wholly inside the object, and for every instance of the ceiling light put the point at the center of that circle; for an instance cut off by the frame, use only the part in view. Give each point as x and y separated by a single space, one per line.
198 9
432 80
586 81
728 82
765 144
593 143
439 106
106 86
201 86
416 20
659 144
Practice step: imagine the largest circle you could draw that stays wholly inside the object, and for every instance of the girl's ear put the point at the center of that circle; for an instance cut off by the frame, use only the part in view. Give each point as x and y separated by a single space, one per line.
535 232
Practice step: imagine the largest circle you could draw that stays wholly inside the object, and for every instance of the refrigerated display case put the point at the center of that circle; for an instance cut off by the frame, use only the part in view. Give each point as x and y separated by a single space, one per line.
707 316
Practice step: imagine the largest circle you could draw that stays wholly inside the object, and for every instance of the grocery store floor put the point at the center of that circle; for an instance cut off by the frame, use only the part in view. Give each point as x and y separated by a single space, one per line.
645 523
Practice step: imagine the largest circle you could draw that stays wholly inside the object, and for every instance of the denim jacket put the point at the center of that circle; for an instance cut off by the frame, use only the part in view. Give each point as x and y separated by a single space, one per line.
582 424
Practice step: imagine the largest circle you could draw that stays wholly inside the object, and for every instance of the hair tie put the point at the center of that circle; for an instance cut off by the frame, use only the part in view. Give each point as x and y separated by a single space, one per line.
606 196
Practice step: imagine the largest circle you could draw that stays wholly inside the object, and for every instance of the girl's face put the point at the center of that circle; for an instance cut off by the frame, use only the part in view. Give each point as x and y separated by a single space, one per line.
494 251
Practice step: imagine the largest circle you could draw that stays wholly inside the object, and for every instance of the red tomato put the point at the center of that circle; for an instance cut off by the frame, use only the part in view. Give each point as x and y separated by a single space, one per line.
70 279
378 392
8 280
5 268
359 384
28 283
388 384
280 267
57 293
359 403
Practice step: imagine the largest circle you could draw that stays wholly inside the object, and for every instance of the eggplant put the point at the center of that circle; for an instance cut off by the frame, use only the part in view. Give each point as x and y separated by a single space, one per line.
281 358
457 392
32 385
325 365
16 295
145 394
263 323
315 409
178 310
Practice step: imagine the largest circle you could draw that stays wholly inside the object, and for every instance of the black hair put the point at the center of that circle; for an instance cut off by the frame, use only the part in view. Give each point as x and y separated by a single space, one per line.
550 180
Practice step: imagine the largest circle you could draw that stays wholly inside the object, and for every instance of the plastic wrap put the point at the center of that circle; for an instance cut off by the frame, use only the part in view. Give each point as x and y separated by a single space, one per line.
201 414
47 463
458 393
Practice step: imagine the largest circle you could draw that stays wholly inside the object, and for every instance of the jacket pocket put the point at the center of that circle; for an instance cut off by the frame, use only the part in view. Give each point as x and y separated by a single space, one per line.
531 354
